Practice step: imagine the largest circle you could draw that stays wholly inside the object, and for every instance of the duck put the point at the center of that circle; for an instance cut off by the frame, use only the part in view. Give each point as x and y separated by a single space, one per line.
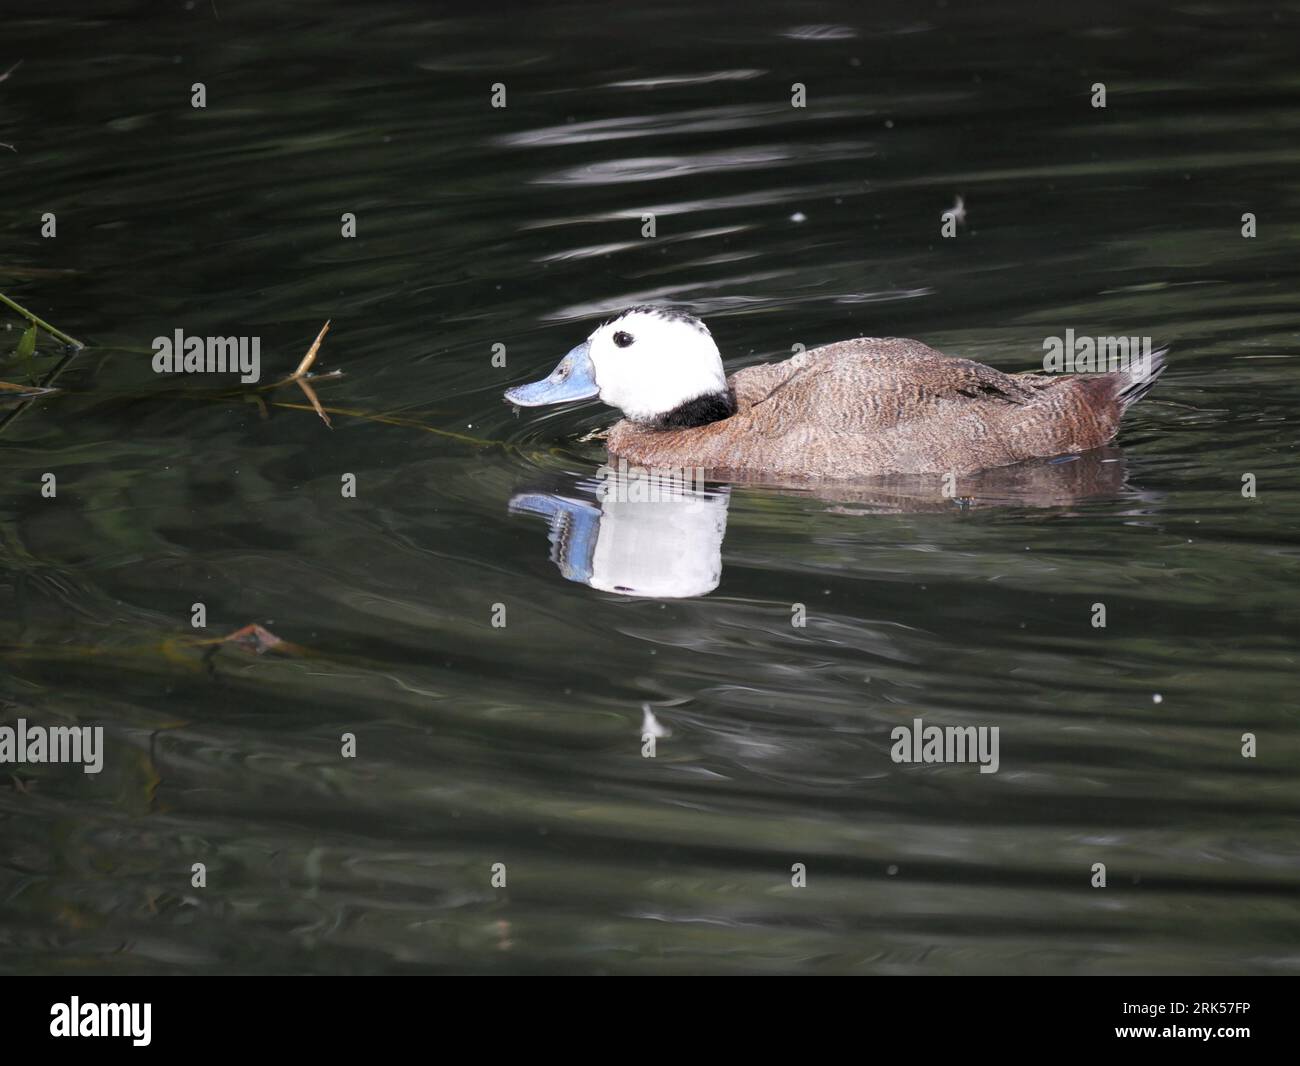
852 409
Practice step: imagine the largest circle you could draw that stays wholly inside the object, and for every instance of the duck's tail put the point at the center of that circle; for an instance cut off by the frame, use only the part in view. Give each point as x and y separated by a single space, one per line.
1135 381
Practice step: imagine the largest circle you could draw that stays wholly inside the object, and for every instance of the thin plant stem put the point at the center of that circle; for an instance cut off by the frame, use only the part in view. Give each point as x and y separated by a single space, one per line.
41 322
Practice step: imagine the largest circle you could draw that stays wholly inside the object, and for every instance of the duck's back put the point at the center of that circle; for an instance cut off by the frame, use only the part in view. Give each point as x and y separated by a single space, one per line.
872 406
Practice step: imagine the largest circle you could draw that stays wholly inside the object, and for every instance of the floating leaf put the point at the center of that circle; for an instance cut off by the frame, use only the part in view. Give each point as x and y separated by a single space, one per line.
27 343
256 639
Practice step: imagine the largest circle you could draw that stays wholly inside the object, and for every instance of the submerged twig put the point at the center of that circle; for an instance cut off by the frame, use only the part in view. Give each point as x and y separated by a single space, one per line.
7 73
41 322
315 401
25 391
300 377
28 343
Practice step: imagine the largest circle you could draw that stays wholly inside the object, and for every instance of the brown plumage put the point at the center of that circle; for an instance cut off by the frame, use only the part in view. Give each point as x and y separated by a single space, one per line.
875 406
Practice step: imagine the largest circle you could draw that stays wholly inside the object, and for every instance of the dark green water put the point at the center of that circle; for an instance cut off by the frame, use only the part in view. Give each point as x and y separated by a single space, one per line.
521 745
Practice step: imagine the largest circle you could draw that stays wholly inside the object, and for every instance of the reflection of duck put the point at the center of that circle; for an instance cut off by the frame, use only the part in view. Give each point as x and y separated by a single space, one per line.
660 535
852 409
1065 481
651 535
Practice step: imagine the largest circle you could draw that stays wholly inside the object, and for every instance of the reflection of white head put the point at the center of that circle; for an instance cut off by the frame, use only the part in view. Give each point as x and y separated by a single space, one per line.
658 540
651 360
655 533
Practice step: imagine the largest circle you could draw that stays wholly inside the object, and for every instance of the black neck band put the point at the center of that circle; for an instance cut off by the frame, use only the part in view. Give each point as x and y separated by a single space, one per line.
712 407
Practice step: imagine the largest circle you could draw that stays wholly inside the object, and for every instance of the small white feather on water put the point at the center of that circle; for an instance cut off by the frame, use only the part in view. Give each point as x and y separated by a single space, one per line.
650 724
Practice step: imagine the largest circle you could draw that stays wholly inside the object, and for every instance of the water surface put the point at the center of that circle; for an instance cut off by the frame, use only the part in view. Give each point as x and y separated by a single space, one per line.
479 744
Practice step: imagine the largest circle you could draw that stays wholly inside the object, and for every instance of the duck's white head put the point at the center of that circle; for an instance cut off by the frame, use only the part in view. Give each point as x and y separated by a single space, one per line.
655 364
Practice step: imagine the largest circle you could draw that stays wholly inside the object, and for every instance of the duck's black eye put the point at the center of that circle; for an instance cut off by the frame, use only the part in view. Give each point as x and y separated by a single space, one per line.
622 339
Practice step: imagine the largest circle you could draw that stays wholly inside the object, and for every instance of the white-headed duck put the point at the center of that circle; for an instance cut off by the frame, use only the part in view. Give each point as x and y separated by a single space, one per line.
853 409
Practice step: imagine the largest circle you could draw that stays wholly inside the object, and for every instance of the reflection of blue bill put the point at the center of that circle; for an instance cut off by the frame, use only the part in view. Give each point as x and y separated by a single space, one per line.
574 529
